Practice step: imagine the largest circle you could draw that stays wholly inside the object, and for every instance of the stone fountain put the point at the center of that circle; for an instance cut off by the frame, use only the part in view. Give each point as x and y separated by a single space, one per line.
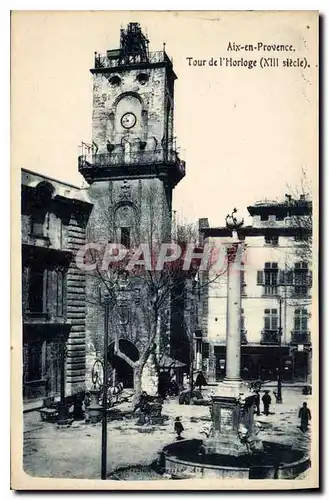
232 448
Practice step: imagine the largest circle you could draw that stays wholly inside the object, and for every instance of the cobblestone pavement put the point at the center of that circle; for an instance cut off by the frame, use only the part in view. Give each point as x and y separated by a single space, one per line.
74 452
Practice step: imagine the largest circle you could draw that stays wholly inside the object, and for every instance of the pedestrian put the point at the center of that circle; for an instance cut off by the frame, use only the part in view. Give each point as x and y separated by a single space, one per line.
86 404
257 402
200 381
173 387
77 407
178 426
266 402
304 415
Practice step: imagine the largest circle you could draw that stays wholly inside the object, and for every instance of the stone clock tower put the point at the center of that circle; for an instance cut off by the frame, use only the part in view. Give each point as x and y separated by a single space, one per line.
132 166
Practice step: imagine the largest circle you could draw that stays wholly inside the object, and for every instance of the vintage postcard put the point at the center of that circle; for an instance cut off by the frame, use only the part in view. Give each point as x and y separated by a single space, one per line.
164 242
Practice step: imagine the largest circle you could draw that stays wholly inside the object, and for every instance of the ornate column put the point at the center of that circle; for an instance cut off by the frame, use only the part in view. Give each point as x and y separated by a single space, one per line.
232 413
233 326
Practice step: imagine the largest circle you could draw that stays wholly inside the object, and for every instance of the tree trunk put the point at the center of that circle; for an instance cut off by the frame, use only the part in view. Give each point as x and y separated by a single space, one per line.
191 365
137 382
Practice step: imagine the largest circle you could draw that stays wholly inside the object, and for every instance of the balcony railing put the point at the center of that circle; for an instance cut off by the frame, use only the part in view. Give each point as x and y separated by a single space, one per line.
270 290
300 291
270 337
300 337
111 61
121 158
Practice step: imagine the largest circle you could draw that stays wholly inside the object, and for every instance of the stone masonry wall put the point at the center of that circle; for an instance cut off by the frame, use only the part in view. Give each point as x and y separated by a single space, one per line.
76 348
149 107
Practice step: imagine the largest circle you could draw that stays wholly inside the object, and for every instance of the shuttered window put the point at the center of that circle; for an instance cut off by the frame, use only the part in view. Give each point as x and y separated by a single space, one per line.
260 277
36 290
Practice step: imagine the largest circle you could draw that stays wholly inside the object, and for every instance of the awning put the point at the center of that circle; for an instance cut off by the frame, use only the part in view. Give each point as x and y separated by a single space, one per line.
168 362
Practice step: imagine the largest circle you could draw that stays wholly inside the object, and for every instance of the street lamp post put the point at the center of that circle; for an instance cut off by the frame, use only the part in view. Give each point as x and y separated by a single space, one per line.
279 387
62 352
105 386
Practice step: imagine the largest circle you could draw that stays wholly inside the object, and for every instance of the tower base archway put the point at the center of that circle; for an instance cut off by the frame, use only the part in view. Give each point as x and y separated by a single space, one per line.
123 371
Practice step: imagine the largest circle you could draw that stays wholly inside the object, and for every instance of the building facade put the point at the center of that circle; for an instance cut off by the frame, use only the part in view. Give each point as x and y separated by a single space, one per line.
276 294
53 223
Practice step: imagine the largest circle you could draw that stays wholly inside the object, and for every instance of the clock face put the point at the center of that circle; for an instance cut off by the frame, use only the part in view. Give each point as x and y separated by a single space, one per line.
128 120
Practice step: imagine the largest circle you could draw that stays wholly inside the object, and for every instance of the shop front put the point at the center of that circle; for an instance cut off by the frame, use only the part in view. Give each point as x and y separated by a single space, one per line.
258 362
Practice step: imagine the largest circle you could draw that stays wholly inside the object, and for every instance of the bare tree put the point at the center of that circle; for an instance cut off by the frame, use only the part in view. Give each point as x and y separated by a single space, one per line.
300 217
142 296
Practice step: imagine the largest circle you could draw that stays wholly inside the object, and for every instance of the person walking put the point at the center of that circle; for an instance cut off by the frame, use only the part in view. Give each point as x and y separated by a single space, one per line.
305 416
178 426
257 402
86 404
200 381
266 402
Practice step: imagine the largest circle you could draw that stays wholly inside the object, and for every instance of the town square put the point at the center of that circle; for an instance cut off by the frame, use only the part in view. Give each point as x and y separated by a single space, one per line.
167 293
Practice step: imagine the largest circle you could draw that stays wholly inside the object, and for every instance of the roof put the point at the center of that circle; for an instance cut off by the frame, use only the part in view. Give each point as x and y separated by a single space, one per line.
244 231
302 206
60 189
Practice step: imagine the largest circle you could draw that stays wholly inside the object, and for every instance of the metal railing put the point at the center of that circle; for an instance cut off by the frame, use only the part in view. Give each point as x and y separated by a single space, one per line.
270 290
300 337
300 291
270 337
121 158
108 61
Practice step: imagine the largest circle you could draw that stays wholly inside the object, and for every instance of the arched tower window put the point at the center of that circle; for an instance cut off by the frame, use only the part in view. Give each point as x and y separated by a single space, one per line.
125 220
42 196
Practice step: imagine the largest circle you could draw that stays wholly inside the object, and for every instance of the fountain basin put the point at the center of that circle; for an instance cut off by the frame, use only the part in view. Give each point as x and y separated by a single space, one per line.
277 461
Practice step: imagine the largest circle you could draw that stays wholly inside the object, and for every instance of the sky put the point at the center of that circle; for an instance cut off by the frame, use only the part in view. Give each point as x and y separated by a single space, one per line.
245 134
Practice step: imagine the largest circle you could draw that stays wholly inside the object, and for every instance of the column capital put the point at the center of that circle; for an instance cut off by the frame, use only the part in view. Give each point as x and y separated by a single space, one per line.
234 251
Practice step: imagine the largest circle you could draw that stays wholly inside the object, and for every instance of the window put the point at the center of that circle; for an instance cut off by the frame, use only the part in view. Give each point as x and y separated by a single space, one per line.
280 216
301 276
271 278
264 217
270 332
142 78
301 321
271 240
36 289
115 80
205 350
125 236
270 319
37 223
